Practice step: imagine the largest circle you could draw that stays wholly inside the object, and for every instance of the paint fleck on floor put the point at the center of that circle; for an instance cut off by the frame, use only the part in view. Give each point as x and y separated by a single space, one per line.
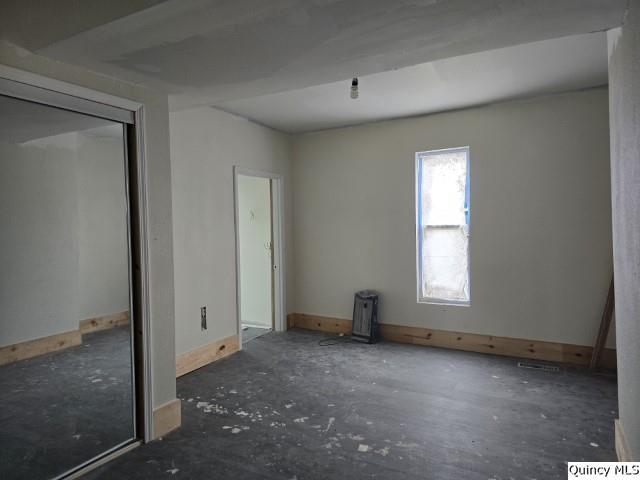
386 411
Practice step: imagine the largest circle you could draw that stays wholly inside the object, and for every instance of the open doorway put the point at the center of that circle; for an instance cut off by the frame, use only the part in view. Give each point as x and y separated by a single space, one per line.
258 245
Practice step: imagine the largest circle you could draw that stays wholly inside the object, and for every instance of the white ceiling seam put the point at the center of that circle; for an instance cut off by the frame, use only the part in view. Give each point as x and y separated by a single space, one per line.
550 66
207 52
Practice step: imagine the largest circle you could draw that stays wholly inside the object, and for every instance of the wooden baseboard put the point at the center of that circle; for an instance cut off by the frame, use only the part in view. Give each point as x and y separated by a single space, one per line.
512 347
60 341
211 352
39 346
166 418
319 323
104 322
622 447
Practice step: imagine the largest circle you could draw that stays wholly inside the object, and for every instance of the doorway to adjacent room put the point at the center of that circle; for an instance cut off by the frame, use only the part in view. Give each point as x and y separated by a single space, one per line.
258 243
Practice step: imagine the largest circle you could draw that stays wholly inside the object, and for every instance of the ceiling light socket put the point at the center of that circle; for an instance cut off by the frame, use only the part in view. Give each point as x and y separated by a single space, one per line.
354 88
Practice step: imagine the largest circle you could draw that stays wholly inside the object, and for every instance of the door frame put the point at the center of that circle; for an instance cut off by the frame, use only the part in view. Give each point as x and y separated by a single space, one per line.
277 226
44 90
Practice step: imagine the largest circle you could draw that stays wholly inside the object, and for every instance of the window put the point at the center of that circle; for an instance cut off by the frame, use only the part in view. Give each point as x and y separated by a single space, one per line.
442 180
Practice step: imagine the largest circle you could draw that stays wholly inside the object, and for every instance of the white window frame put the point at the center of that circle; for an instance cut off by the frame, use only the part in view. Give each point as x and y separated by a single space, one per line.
419 227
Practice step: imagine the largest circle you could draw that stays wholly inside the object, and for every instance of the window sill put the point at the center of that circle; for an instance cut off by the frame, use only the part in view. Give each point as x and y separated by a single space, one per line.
444 303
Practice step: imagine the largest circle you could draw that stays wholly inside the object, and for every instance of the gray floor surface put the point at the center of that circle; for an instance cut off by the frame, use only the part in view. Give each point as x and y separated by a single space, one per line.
61 409
253 332
286 407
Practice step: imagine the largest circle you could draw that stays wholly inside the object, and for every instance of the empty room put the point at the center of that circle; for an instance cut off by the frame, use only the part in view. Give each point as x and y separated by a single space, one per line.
320 239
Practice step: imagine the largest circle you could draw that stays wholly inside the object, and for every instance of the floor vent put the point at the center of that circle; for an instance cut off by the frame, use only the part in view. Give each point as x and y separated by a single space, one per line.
538 366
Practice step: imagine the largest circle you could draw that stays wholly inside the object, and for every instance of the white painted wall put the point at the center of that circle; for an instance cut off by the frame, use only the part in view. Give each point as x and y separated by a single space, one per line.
624 78
64 234
39 243
159 199
205 145
103 281
540 217
254 236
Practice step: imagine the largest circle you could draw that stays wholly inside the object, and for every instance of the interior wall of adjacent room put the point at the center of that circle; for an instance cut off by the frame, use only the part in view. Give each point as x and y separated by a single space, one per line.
103 280
624 80
39 241
205 145
254 237
65 237
158 184
540 246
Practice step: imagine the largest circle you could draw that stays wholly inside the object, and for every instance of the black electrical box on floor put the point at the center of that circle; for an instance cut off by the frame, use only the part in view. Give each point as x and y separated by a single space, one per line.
365 317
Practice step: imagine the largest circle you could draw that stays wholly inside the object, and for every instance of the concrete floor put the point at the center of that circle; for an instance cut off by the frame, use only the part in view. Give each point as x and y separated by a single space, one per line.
61 409
287 408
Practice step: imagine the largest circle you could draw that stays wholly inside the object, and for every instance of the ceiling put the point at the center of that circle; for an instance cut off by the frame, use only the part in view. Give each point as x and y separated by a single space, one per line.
549 66
207 52
23 121
288 63
34 24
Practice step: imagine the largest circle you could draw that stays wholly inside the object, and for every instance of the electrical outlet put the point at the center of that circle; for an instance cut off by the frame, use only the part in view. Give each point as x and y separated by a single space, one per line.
203 318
